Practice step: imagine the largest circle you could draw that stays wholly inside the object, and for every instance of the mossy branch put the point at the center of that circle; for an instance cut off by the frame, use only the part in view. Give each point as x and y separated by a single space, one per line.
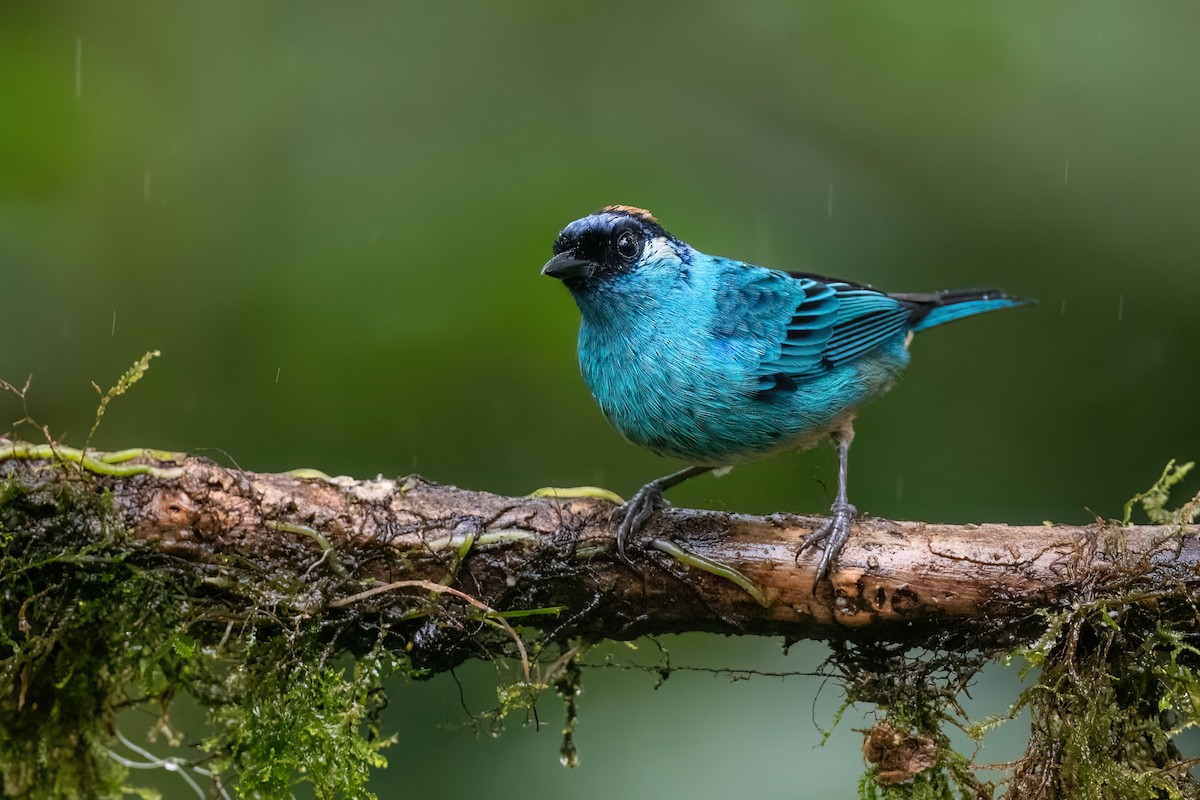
696 571
431 575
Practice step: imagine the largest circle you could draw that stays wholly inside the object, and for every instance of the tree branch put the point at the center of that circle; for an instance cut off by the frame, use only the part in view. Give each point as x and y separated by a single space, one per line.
137 575
333 539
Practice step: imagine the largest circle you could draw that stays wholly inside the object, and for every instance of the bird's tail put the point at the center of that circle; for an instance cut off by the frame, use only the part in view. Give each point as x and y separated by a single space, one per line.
938 308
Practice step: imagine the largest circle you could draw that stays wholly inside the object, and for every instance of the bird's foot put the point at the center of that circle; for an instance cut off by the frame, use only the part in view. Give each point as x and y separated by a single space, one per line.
834 534
637 510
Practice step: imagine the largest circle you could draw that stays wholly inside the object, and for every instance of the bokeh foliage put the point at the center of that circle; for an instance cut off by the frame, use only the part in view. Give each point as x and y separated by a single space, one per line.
329 219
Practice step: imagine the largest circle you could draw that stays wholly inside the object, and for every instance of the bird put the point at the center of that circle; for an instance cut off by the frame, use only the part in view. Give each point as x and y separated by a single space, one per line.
718 362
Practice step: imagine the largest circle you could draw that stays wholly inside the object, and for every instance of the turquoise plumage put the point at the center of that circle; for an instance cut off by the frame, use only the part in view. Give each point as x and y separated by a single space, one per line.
716 362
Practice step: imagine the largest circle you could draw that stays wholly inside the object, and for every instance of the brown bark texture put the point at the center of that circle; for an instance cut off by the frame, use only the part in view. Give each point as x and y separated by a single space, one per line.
363 545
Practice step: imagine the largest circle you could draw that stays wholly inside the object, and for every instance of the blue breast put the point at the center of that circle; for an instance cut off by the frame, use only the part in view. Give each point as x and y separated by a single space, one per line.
678 370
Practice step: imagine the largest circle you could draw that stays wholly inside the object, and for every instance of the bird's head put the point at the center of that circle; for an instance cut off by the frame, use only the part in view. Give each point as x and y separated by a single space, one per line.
601 247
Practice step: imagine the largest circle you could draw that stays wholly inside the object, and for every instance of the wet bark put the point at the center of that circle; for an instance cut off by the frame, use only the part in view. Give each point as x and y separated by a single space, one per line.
343 545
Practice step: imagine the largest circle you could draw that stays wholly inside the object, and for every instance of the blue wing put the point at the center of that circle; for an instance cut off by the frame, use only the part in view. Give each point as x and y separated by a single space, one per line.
774 324
866 319
803 324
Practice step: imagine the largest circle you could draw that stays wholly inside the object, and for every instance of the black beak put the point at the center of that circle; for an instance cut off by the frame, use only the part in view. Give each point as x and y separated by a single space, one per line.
566 265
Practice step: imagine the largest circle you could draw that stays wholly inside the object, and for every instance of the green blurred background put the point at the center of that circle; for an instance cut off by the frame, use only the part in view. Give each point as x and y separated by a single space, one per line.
330 219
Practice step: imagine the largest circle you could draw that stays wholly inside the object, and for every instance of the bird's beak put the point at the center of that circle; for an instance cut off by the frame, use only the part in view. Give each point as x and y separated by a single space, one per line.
566 265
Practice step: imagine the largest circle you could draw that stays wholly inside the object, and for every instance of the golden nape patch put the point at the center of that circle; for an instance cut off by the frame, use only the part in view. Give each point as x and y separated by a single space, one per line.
633 211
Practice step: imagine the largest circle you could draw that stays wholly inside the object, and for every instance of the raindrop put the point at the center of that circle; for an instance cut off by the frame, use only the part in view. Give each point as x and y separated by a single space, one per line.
568 755
1120 308
1062 309
1067 171
79 66
829 201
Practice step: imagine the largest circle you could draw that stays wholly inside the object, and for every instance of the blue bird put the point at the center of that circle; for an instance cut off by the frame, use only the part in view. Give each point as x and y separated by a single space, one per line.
718 362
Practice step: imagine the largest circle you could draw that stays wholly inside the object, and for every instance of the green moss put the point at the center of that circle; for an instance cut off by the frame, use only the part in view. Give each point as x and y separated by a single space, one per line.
1117 684
1154 500
295 721
78 633
908 751
123 384
1118 677
91 624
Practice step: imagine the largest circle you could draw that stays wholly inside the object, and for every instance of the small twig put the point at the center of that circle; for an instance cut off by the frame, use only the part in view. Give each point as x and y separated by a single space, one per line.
171 764
319 538
438 588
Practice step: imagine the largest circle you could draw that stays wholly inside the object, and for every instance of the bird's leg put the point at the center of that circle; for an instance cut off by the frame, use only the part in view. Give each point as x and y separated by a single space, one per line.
639 507
836 529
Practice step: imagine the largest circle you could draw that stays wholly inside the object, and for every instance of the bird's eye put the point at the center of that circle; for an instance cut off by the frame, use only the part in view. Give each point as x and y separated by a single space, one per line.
627 245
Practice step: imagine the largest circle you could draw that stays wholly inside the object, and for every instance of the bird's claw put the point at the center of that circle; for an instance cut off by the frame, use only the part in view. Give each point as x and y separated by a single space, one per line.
637 510
834 534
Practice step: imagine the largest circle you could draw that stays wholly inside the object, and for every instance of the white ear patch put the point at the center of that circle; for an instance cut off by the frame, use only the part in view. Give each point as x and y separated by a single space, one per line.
658 248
